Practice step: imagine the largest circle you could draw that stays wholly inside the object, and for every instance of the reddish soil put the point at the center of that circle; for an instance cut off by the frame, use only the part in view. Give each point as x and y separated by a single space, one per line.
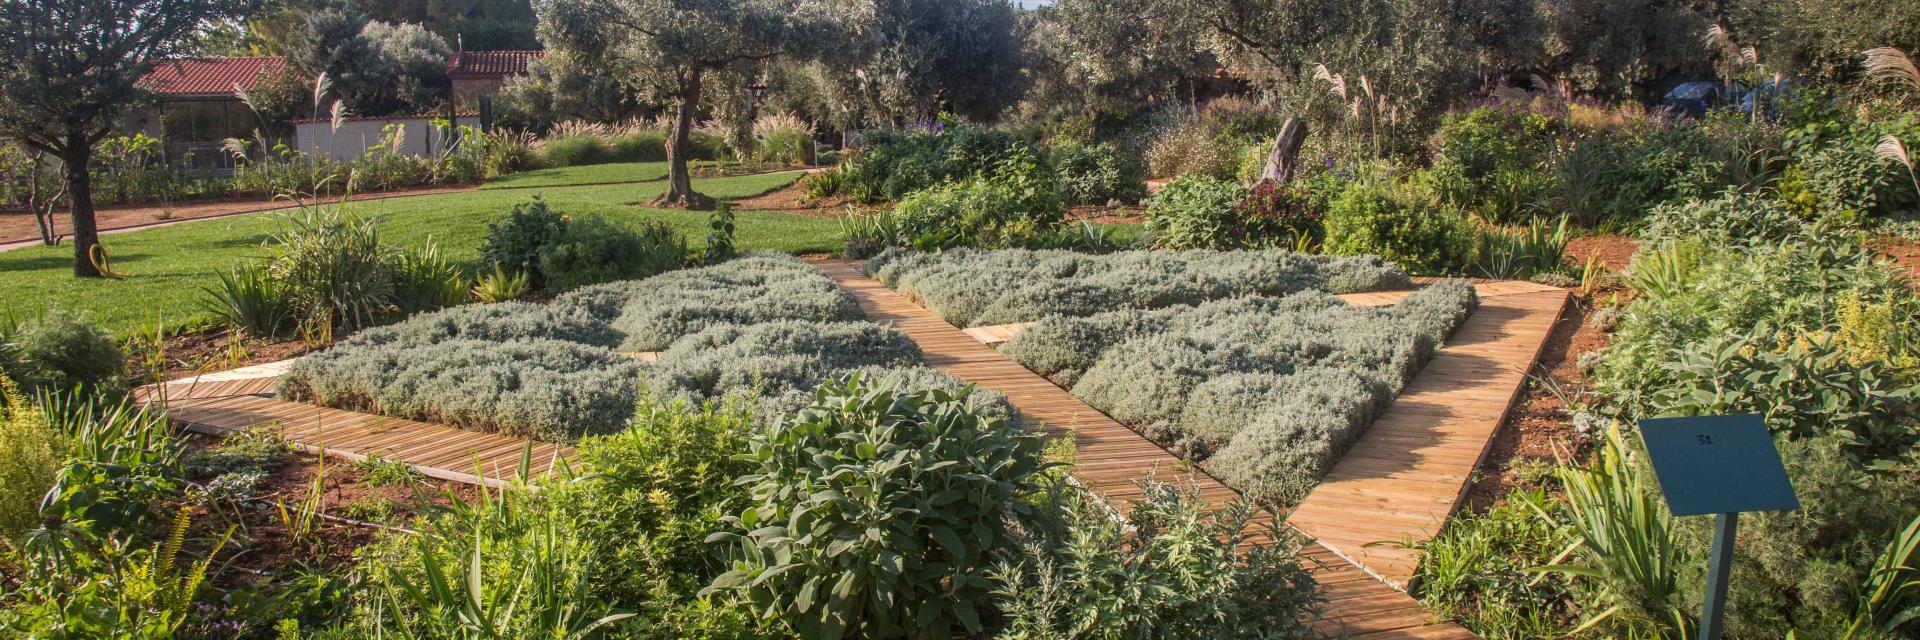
201 352
1903 252
16 226
1614 251
1107 215
793 199
1541 427
262 543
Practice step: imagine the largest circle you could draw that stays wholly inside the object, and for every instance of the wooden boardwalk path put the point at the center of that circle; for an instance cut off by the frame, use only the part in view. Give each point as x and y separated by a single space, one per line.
436 451
1112 458
1409 470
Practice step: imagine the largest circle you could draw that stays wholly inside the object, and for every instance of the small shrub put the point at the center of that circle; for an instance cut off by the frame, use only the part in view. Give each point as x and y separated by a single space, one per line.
33 452
499 322
1196 212
64 351
1094 174
975 213
424 280
1733 219
1191 148
249 299
777 361
515 243
257 451
592 250
640 145
882 563
995 287
1175 568
654 312
648 495
500 286
1374 217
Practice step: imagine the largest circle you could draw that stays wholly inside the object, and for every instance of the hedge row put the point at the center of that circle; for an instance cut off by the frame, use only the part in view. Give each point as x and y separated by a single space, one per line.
1265 392
975 287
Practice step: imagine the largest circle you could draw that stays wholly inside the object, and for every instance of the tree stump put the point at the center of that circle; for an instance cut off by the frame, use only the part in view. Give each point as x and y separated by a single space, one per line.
1282 161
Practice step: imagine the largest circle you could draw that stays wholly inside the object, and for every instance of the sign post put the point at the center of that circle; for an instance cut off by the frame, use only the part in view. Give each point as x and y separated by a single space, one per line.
1720 465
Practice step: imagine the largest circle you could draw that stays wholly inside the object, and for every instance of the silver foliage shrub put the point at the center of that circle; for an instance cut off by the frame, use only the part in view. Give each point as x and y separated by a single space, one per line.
653 313
984 287
495 322
780 362
1266 392
547 389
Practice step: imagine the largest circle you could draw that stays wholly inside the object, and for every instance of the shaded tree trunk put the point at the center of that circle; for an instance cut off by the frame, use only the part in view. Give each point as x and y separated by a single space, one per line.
680 193
1283 161
77 156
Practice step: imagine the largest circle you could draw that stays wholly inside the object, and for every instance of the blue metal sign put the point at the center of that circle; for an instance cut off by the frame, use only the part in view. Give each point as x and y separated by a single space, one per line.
1717 464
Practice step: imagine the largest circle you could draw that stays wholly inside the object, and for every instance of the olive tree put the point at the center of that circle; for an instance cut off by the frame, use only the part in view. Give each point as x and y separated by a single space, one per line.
916 58
667 48
69 69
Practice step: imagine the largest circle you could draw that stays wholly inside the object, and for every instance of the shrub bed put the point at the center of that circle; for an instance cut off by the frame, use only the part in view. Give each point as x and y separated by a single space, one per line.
967 287
652 313
762 328
1265 392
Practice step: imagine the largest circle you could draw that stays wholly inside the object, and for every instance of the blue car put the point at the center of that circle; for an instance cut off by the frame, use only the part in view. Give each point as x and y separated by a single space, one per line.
1695 98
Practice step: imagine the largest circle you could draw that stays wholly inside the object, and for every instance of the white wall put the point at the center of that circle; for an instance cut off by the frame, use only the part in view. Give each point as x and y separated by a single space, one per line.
351 141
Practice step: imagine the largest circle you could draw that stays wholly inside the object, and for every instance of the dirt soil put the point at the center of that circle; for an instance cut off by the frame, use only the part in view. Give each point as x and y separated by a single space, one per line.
262 544
1903 252
16 226
793 199
201 352
1541 427
1614 251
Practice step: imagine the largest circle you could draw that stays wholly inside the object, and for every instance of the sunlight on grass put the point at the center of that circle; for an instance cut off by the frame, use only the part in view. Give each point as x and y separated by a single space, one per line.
615 173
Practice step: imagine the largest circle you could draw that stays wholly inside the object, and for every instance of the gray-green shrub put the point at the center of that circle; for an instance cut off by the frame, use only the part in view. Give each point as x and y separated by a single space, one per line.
62 350
1733 219
779 361
1265 392
496 322
653 313
548 389
1175 568
974 287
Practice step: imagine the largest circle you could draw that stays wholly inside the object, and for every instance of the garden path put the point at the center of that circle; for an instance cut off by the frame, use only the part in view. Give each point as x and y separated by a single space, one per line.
219 407
1112 458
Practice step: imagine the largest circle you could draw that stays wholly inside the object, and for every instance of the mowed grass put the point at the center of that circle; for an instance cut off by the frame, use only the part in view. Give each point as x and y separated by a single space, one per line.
592 174
169 267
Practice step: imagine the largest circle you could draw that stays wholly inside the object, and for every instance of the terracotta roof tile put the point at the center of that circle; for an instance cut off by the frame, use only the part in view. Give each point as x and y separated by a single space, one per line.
491 64
207 76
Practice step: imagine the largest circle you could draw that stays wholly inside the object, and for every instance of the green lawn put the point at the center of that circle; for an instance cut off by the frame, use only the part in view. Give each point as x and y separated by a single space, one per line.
168 266
615 173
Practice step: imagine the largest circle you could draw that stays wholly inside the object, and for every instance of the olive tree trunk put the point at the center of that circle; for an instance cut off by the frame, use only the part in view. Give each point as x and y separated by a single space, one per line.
77 156
680 193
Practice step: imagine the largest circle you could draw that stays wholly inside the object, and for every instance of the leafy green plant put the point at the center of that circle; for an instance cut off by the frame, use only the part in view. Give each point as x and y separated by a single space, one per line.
333 270
593 250
501 286
1626 546
1377 217
249 299
475 582
1174 568
33 450
425 280
1890 598
720 243
64 351
515 243
874 511
1094 174
1197 212
1477 570
1733 219
867 234
376 471
1520 254
975 213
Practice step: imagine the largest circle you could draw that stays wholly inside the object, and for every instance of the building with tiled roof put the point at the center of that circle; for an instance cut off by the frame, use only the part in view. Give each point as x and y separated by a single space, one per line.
477 74
196 108
208 77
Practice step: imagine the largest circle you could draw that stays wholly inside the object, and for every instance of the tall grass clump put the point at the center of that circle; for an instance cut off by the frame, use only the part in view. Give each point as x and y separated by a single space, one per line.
783 139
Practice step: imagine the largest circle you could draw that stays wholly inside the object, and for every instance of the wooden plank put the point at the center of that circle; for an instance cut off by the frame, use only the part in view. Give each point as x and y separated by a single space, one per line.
433 450
1112 459
1407 473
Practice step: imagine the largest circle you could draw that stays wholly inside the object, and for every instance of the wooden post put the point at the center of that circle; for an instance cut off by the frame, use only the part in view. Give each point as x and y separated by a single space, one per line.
1286 149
